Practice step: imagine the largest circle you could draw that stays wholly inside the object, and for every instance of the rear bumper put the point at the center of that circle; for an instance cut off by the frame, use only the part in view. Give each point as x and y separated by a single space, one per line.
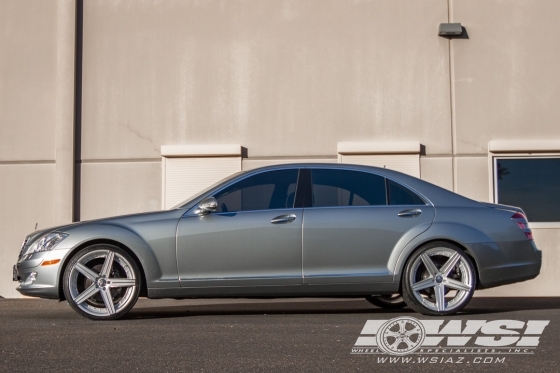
510 275
506 262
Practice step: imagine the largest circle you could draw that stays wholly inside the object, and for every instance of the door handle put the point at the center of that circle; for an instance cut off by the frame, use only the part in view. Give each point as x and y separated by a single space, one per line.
410 213
283 219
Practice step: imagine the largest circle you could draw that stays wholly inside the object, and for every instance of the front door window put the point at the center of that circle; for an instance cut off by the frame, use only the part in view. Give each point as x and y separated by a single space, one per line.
265 191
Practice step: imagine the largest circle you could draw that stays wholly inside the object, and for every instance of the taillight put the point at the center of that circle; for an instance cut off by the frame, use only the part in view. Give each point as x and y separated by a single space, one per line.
521 221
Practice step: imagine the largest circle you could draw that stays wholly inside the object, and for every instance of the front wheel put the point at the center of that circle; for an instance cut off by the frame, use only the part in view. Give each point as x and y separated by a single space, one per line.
102 282
439 279
389 301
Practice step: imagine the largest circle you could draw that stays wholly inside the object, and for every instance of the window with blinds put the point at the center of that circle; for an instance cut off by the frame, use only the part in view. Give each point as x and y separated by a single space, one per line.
188 170
399 156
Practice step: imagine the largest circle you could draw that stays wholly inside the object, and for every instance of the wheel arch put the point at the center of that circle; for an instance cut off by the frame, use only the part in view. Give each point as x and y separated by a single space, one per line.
143 285
464 247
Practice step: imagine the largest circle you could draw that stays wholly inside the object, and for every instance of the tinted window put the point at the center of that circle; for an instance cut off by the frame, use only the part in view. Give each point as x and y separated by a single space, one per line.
532 184
399 195
264 191
346 188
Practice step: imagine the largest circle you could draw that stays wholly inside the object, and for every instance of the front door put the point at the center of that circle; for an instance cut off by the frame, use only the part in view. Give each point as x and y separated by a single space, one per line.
254 237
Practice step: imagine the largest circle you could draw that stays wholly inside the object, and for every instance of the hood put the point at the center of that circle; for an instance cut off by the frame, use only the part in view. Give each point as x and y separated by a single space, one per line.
31 237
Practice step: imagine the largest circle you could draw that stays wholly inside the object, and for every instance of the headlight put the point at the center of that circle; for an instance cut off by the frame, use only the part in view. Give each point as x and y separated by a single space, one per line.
45 243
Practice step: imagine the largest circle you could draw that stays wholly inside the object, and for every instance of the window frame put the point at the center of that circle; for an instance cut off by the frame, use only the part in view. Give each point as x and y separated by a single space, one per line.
251 174
388 193
303 201
494 178
309 189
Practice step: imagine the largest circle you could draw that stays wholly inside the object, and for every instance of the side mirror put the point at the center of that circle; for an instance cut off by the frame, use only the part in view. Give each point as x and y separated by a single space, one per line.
206 206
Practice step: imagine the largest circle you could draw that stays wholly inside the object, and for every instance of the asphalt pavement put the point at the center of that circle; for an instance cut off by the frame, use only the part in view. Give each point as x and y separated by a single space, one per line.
277 335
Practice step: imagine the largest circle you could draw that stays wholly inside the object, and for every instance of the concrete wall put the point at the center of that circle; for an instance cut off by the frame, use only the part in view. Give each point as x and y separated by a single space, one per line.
28 80
282 78
118 188
286 79
506 77
36 122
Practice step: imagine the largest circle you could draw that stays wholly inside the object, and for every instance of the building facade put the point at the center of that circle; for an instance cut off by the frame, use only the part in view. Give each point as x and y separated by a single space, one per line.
112 107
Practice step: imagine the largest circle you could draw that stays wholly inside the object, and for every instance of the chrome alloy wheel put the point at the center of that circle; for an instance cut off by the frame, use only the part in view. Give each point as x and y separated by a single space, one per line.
102 282
440 280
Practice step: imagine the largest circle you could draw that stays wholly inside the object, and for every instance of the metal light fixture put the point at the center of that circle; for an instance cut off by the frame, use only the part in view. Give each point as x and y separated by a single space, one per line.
450 29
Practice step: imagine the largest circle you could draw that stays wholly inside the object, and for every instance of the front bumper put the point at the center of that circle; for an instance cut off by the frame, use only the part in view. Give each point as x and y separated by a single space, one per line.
36 279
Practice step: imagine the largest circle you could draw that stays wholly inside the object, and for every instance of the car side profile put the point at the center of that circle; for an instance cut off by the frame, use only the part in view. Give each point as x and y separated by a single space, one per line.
294 230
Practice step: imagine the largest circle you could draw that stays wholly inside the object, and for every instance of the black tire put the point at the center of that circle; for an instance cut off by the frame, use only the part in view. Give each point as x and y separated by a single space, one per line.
389 301
425 289
98 289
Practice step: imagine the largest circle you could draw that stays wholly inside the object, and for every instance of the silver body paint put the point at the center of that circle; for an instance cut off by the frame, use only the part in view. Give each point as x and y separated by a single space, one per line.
326 251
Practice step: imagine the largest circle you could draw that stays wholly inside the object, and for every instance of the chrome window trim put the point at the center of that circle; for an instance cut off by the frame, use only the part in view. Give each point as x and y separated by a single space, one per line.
299 167
370 206
427 202
249 211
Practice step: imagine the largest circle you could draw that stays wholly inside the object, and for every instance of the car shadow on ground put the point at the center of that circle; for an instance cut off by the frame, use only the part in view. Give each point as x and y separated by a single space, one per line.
477 306
484 305
273 308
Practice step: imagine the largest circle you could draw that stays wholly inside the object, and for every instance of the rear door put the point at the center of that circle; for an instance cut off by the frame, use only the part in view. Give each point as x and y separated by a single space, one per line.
353 221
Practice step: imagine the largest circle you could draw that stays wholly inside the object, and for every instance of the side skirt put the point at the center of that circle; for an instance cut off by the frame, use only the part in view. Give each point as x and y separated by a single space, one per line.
277 291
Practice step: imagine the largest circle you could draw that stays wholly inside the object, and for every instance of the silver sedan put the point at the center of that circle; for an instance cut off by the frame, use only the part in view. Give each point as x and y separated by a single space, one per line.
303 230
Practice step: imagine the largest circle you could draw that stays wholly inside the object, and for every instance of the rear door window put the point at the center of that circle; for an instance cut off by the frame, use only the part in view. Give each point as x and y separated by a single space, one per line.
400 195
346 188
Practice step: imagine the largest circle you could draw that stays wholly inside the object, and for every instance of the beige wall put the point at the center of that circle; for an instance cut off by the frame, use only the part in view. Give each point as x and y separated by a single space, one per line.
118 188
437 170
281 78
28 80
507 84
249 164
26 200
286 79
36 110
471 177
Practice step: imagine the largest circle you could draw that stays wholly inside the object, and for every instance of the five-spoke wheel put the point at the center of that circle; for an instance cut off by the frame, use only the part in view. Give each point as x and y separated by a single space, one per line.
102 282
439 279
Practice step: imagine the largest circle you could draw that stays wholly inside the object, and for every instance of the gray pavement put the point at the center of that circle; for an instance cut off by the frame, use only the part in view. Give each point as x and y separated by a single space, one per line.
241 335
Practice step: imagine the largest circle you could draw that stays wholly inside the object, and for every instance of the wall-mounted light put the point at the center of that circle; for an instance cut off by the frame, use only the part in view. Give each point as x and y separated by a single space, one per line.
450 29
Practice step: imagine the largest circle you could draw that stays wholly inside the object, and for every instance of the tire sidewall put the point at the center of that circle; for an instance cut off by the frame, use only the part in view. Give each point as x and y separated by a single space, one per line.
380 302
408 293
75 258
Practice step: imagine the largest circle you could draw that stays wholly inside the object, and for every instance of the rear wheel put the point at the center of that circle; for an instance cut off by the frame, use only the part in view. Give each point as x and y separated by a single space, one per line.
102 282
439 279
389 301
